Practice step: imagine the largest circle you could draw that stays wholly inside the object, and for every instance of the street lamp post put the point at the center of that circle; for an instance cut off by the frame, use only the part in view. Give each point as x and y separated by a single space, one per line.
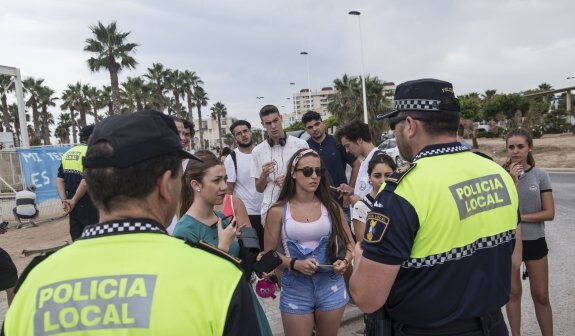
365 119
308 82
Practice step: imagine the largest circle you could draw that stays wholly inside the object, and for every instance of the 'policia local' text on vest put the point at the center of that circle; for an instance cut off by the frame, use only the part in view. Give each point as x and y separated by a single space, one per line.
125 285
466 213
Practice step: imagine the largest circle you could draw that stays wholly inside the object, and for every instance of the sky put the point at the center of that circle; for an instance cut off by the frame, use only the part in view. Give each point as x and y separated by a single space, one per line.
248 49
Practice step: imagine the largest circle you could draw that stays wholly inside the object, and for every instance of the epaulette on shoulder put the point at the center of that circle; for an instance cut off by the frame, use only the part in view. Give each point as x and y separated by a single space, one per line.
400 173
202 245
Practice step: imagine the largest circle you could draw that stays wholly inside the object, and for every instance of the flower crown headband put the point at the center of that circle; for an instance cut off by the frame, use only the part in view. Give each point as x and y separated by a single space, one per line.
299 156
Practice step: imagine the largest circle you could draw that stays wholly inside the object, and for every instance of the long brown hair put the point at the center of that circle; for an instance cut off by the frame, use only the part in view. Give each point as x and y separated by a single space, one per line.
323 194
195 170
528 137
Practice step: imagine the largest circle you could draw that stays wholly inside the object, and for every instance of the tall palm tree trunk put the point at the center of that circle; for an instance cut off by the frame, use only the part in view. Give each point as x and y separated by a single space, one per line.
73 124
82 111
35 117
95 112
45 127
190 113
116 100
178 105
200 126
5 115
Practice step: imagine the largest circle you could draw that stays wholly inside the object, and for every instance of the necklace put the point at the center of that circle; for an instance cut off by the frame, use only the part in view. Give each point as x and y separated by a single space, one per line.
305 214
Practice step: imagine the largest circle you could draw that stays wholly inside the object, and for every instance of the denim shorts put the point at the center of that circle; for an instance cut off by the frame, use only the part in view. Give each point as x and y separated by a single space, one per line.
302 294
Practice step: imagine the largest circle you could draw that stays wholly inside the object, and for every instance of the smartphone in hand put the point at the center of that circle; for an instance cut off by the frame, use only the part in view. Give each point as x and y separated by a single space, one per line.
269 261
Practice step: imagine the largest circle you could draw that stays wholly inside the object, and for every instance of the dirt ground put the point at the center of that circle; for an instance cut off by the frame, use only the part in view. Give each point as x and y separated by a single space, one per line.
551 151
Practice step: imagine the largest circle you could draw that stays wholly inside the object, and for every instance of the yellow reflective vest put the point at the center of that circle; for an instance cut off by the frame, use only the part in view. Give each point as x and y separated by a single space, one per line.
125 284
72 159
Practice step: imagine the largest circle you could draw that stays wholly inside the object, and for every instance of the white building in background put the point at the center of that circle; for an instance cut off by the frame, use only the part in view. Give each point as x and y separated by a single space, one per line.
6 140
301 102
211 134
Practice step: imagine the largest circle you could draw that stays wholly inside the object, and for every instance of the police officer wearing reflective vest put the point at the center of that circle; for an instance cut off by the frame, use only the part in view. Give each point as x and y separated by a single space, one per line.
436 255
72 188
126 275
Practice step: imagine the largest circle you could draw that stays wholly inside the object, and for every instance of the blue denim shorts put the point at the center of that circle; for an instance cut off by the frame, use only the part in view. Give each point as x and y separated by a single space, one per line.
302 294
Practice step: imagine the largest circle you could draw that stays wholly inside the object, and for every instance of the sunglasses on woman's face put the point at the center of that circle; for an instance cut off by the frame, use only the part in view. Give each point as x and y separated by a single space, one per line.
308 171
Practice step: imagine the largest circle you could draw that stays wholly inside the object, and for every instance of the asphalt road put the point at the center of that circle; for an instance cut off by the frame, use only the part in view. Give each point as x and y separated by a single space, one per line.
560 235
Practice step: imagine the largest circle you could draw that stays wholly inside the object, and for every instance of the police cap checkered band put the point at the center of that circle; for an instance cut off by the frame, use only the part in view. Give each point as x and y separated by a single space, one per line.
426 95
417 104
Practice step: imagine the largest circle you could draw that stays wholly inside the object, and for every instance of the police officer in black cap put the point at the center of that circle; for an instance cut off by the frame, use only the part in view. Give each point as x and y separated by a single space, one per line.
437 250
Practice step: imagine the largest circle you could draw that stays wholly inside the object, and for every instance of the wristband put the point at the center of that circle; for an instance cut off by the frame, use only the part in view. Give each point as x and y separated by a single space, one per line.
292 264
346 263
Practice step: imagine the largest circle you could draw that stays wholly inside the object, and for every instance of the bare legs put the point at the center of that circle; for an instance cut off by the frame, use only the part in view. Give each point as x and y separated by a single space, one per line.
326 323
539 285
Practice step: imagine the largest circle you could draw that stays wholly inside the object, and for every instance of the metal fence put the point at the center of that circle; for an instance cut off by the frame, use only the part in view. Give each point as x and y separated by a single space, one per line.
10 172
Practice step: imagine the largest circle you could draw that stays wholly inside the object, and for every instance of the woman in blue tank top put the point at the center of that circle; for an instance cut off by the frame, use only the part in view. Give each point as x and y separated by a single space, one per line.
317 248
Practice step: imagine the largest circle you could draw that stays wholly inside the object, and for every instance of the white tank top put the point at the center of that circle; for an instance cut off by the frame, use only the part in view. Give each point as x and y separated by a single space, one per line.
307 234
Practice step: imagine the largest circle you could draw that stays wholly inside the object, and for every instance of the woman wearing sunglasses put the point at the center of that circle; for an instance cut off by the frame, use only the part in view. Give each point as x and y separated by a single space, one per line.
536 206
317 247
379 167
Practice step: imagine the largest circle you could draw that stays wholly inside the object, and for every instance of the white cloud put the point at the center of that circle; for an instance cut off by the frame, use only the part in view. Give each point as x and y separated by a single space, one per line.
246 49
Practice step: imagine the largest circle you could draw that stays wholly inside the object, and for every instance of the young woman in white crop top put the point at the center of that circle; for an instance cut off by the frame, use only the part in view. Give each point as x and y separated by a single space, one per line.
317 248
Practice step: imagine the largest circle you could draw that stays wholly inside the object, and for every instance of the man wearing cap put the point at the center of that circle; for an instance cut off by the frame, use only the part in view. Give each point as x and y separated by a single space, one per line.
72 188
437 250
126 275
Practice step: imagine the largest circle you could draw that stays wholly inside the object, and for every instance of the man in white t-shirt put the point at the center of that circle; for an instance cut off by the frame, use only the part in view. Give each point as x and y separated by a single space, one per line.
238 167
26 204
270 158
355 137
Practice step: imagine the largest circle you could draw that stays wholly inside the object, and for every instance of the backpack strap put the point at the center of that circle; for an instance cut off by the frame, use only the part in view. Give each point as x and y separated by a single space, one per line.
235 160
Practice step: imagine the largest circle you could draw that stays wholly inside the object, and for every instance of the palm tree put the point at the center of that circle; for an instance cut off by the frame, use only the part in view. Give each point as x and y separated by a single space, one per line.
136 93
489 94
93 96
176 84
191 80
106 96
219 111
69 98
113 53
80 101
63 127
32 87
15 119
345 103
178 110
157 75
200 98
46 99
4 82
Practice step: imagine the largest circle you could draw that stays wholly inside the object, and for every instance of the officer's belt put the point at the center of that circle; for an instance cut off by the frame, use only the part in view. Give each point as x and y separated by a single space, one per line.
455 327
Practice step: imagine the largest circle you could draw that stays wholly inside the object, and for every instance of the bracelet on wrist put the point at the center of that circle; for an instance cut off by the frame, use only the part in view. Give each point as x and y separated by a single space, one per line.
346 262
292 264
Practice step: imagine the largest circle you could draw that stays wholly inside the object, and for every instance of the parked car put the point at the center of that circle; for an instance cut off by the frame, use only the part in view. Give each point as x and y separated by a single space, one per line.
389 146
299 134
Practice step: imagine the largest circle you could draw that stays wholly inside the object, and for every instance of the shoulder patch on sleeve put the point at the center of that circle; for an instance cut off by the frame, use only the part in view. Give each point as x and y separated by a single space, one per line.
400 172
376 226
202 245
